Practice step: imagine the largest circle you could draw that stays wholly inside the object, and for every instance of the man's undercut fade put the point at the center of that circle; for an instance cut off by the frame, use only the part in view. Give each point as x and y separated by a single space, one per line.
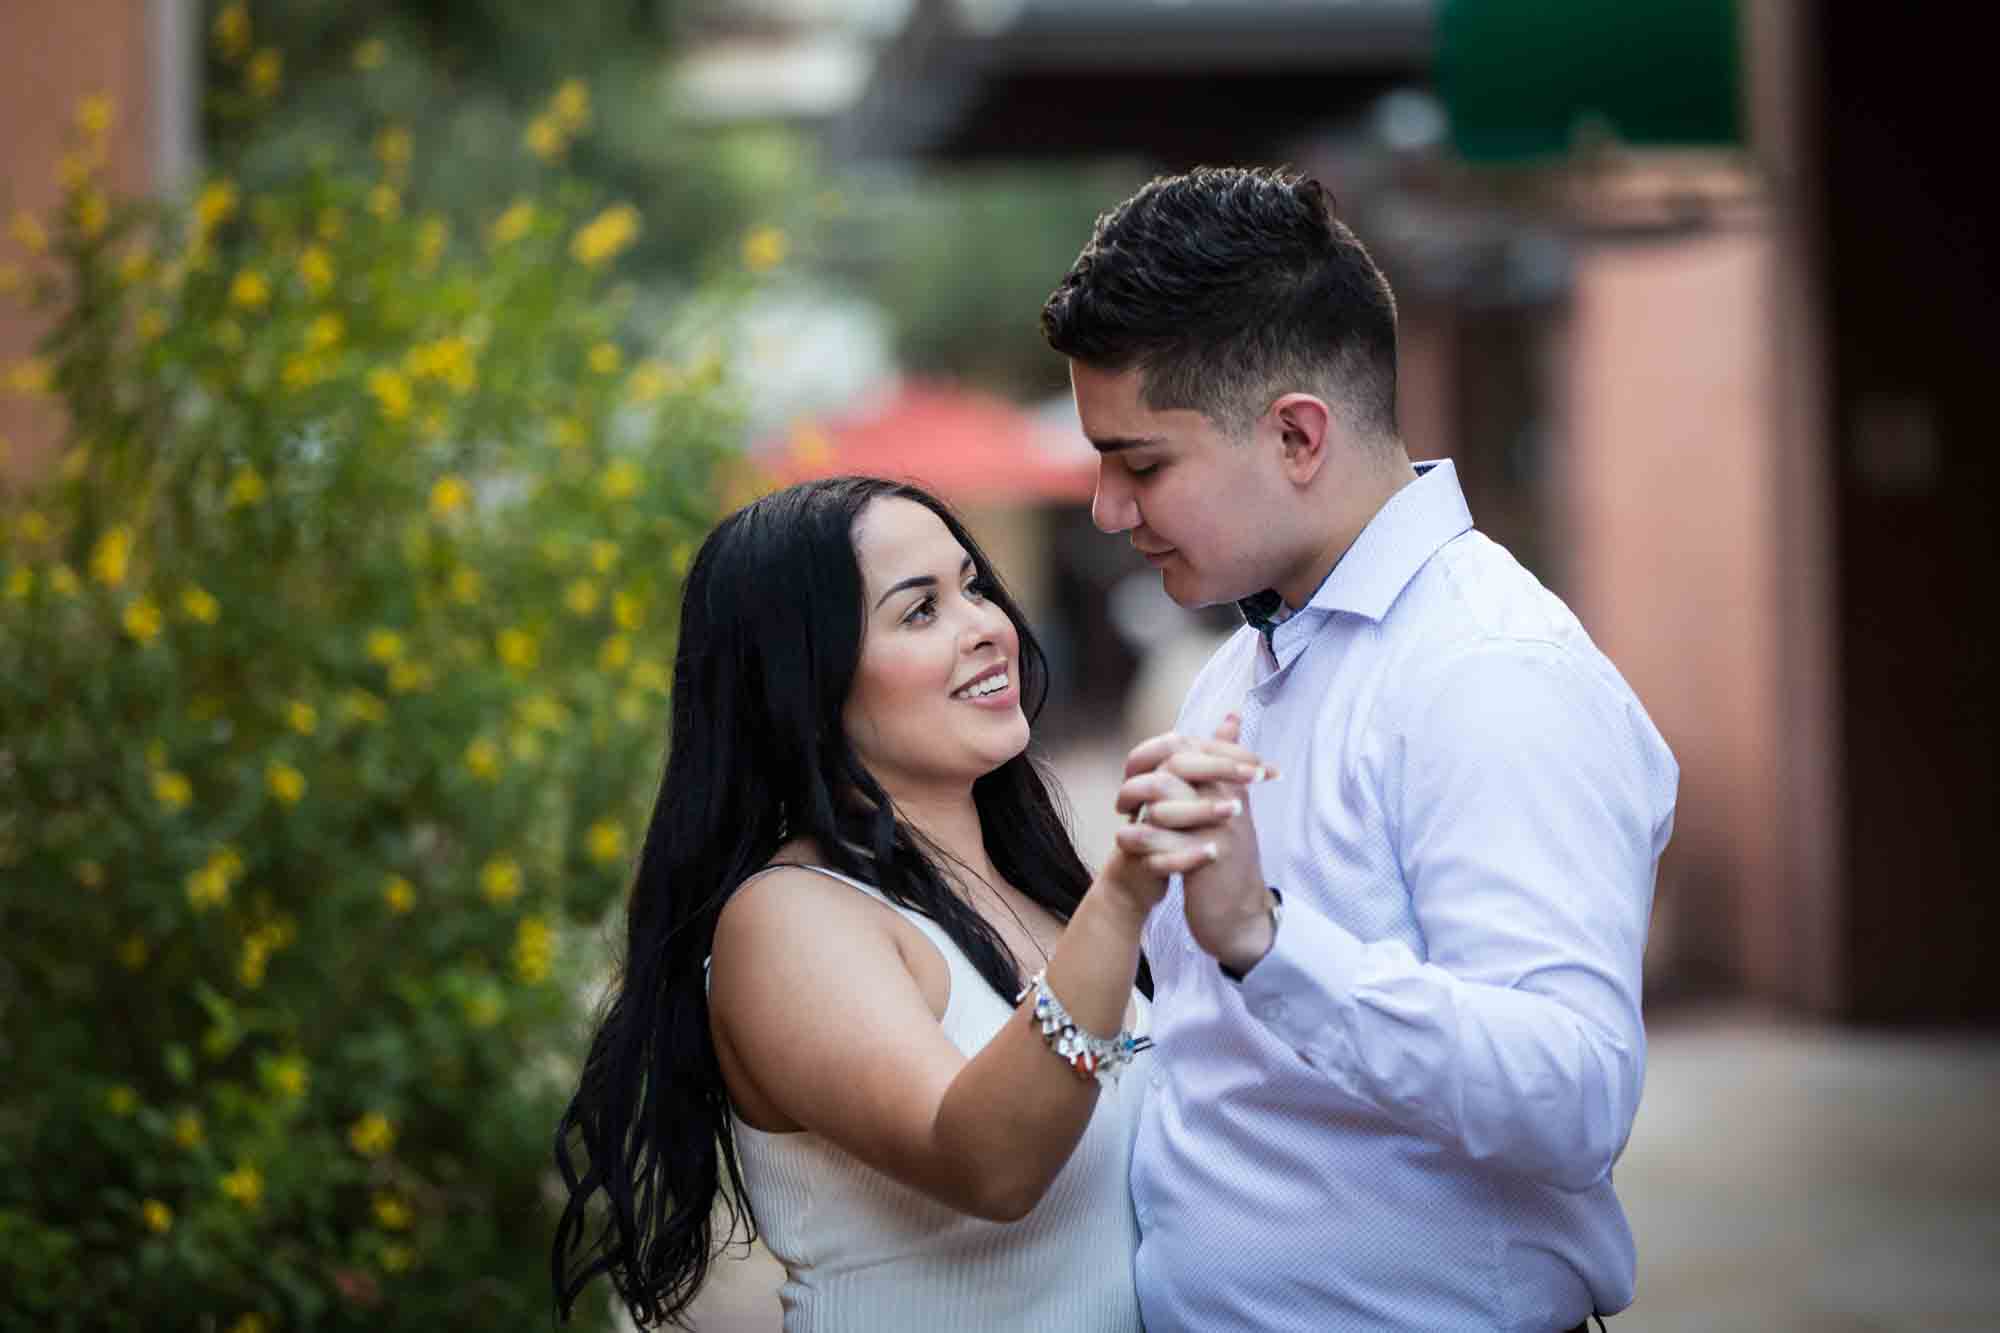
1228 287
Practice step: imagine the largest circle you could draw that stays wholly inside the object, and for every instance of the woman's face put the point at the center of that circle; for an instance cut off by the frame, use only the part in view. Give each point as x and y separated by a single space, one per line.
936 701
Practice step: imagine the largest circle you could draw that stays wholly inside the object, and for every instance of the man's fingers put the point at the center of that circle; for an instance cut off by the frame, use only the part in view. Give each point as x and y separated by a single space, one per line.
1150 753
1192 812
1194 767
1150 788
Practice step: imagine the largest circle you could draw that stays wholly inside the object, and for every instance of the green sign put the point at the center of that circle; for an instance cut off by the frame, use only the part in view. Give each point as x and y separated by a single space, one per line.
1523 79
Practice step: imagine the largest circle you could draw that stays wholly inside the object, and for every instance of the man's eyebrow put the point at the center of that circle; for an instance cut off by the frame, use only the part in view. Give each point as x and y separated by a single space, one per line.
918 581
1112 444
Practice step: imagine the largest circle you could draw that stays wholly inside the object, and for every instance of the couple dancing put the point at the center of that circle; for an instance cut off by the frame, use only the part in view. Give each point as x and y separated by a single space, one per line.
1386 886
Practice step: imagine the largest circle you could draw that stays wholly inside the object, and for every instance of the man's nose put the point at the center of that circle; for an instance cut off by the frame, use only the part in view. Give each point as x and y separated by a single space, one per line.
1111 507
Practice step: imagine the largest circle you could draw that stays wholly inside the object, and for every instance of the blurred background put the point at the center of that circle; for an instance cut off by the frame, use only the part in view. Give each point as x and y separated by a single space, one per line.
1695 292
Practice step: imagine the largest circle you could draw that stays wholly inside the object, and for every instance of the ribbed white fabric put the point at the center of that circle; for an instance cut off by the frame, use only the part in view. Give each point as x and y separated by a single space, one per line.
866 1254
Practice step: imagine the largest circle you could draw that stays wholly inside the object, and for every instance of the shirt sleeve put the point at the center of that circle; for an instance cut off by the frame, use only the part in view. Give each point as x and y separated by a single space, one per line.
1528 803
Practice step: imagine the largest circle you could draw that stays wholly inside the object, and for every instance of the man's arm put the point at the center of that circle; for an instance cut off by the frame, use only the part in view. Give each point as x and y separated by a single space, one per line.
1527 801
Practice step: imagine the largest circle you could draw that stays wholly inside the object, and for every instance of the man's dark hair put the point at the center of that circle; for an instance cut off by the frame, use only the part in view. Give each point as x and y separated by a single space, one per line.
1228 287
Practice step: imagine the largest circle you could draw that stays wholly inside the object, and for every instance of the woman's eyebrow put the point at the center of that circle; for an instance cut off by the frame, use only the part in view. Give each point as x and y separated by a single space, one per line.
918 581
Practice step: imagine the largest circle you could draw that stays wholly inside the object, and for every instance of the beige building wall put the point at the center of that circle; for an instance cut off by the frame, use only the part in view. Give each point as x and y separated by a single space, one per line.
52 56
1666 507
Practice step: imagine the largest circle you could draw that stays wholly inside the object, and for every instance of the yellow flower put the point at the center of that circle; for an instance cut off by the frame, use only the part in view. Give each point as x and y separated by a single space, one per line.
465 585
95 114
393 145
398 1258
628 610
302 717
399 894
384 646
28 230
245 488
605 842
542 711
149 324
267 71
316 269
188 1129
142 619
525 746
232 30
764 249
172 789
290 1075
92 213
286 783
251 290
410 678
20 583
325 332
604 358
209 886
245 1185
371 54
581 597
384 202
544 138
251 1323
372 1135
111 556
250 968
121 1099
569 433
448 496
159 1218
621 480
215 205
513 224
199 604
534 949
361 706
391 391
134 264
432 237
681 559
571 105
482 760
650 382
500 880
90 874
605 236
30 377
392 1213
649 676
615 653
32 526
630 707
517 649
448 359
63 582
133 952
603 555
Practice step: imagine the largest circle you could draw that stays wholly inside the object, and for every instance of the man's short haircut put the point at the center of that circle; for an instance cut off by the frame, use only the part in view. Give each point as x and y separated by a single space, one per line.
1228 287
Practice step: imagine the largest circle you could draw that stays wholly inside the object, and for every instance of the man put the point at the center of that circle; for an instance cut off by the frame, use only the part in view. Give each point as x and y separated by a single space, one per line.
1399 1016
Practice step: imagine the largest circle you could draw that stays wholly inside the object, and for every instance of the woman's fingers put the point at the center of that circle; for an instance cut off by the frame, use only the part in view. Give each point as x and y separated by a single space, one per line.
1193 812
1150 754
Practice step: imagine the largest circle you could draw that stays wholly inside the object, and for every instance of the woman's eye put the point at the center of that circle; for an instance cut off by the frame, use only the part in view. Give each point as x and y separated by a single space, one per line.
978 590
923 610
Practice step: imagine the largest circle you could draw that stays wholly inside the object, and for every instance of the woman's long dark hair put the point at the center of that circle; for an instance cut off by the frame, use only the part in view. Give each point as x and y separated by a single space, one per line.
770 635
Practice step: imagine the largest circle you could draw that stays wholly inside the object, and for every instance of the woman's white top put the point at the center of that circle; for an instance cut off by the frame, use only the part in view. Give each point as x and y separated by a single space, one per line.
866 1254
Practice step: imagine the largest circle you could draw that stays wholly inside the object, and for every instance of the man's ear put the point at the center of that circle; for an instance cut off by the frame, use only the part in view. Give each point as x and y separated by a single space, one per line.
1302 423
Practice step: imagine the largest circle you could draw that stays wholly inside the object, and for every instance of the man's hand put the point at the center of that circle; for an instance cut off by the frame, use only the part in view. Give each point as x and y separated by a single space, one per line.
1181 782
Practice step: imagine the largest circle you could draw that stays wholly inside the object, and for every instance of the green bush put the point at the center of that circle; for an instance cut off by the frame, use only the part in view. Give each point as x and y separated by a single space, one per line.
333 662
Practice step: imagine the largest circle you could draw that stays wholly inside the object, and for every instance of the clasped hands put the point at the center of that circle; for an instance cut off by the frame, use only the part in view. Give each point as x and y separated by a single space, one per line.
1190 799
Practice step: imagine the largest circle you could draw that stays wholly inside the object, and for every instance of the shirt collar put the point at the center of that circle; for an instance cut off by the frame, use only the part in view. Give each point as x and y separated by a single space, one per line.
1404 534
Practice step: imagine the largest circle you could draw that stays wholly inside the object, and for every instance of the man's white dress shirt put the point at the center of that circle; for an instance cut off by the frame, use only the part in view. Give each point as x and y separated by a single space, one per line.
1406 1115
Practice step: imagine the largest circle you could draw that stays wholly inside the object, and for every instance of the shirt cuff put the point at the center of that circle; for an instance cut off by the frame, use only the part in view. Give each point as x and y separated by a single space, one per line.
1300 986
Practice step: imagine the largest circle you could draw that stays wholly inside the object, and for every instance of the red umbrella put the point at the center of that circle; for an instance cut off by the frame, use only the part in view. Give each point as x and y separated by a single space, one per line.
969 447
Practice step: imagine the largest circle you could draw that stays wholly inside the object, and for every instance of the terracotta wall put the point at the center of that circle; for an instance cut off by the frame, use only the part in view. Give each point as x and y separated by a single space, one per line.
51 57
1665 507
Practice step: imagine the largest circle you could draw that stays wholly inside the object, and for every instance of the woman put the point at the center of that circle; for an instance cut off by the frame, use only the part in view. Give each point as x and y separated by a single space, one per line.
852 866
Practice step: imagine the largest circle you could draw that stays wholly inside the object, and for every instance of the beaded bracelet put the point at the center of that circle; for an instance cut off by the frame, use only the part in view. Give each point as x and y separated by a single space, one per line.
1087 1054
